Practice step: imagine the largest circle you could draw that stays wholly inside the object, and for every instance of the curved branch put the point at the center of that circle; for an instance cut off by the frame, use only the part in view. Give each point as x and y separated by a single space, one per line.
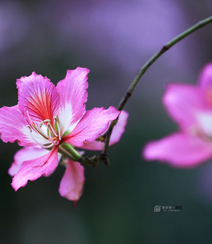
144 68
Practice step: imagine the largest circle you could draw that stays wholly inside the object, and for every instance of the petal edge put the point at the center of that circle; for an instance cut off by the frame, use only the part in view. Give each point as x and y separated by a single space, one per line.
91 126
179 150
35 168
37 97
71 185
73 96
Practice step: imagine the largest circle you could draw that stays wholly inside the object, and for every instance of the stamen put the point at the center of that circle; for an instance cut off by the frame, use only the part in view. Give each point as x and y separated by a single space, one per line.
46 120
52 140
41 132
35 128
29 118
58 127
49 146
52 129
28 126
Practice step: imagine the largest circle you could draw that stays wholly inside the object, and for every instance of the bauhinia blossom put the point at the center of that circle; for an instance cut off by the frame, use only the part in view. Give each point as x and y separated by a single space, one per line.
191 107
49 119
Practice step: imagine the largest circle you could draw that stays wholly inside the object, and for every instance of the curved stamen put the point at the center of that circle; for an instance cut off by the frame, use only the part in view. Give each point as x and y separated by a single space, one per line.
49 146
44 121
30 129
41 132
52 129
52 140
58 127
35 128
30 121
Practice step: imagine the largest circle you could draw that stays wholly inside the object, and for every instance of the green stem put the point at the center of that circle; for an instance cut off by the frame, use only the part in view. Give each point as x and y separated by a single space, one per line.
69 151
144 68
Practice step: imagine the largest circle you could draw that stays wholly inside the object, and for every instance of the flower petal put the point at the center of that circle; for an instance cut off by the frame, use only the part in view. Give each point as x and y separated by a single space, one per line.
179 150
38 96
25 154
91 126
13 127
205 78
183 102
117 132
35 168
73 96
71 185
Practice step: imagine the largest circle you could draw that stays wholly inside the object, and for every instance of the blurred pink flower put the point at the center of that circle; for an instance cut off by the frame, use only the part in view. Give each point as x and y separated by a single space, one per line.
191 107
47 116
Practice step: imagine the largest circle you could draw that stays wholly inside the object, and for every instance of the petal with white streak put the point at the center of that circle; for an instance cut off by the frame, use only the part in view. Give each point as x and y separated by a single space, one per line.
73 96
91 126
35 168
184 102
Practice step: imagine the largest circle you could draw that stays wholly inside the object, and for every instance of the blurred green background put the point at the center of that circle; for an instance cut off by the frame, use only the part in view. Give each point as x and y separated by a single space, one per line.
113 39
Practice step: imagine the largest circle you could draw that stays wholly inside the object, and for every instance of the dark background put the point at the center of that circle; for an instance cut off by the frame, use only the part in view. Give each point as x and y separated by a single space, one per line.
113 39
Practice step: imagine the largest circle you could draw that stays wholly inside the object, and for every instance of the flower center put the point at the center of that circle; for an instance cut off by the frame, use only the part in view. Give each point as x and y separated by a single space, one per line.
46 134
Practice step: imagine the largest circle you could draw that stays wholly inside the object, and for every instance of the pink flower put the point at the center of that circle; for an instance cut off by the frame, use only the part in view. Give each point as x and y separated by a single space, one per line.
191 107
46 118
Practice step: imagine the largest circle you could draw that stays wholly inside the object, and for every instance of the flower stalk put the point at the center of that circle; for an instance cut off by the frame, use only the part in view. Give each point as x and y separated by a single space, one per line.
68 151
66 148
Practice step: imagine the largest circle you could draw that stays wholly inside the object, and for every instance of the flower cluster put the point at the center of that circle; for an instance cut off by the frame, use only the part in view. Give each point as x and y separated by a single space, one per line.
47 120
191 107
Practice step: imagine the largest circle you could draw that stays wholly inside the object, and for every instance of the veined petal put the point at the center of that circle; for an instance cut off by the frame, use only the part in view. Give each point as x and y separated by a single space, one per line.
35 168
179 150
71 185
94 123
13 127
183 102
25 154
38 97
117 132
73 96
205 78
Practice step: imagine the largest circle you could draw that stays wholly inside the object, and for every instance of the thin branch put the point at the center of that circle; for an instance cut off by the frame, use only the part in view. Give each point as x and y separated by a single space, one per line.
144 68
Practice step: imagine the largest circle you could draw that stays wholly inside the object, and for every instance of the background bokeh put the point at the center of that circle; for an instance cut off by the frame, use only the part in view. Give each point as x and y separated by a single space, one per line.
113 39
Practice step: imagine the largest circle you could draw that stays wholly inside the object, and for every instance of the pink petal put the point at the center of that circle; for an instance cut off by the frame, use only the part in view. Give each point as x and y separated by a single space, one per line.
179 150
13 127
73 96
118 130
94 123
71 185
38 96
183 102
205 78
35 168
25 154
